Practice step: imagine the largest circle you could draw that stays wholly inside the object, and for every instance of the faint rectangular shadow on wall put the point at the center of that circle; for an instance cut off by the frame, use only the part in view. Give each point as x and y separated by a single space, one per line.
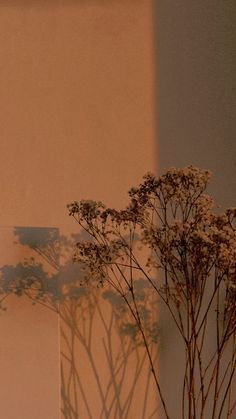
29 350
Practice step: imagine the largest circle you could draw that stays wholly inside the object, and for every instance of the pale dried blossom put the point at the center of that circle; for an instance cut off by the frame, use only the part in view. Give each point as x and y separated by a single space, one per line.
189 247
175 219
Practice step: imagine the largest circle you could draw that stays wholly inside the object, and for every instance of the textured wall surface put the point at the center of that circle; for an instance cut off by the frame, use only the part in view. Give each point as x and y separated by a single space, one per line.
77 105
196 89
77 121
196 100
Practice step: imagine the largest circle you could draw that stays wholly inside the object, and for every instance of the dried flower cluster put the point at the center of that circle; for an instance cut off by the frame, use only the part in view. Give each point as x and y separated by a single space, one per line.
189 264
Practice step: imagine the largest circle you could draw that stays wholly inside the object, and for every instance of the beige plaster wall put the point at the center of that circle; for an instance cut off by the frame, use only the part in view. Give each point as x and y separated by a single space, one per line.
77 105
77 121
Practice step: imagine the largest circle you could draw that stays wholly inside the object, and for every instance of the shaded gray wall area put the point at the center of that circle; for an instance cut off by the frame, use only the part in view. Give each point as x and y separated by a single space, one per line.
196 89
196 114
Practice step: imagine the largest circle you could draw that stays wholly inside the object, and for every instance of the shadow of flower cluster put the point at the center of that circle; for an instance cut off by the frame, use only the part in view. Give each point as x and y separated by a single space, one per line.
48 276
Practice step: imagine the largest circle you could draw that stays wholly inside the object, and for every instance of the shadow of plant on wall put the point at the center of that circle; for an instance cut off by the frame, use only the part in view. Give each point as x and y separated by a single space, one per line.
165 259
48 277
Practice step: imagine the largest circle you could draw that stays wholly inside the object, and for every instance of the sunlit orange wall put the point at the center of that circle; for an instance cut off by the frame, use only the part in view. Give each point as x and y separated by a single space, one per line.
77 120
77 104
